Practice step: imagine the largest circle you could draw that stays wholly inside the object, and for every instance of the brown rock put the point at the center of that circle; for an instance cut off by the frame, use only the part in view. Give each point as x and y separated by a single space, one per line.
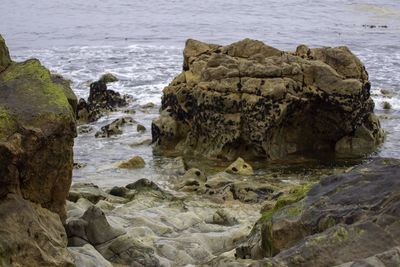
134 163
250 98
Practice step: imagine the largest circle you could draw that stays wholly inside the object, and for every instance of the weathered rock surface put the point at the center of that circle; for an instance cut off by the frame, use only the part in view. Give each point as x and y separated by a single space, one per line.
250 98
100 100
37 128
162 229
345 217
115 127
31 235
88 256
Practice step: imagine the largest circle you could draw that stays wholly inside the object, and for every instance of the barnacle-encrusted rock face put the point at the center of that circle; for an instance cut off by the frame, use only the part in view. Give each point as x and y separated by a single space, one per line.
250 98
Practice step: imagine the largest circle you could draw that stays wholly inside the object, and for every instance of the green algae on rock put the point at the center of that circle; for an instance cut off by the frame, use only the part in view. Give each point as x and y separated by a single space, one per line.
5 59
250 99
336 218
37 130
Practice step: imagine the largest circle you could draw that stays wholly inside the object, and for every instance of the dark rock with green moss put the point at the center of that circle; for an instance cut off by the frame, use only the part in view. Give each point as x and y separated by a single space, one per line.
37 130
345 217
250 99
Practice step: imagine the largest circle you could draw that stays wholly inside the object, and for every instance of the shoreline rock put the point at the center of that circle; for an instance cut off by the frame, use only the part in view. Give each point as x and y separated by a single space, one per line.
37 131
250 99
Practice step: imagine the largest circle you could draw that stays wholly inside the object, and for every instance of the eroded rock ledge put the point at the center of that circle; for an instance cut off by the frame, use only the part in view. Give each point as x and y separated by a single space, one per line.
250 98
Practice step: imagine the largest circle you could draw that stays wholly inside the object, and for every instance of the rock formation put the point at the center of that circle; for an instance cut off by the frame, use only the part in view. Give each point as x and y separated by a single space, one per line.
250 98
100 100
37 130
345 217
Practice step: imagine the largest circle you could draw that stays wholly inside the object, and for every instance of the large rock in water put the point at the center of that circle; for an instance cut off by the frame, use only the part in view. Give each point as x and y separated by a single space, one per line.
37 130
344 218
251 98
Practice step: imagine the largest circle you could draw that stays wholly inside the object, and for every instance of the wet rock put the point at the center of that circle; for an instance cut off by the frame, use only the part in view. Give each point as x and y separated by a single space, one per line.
386 105
386 92
336 218
85 129
250 99
37 130
130 111
100 100
148 105
88 191
78 165
88 256
140 128
141 142
118 191
108 78
114 128
136 162
240 167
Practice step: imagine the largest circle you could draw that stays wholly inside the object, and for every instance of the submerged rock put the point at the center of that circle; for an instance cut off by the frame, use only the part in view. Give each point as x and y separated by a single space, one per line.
251 98
136 162
108 78
343 218
114 128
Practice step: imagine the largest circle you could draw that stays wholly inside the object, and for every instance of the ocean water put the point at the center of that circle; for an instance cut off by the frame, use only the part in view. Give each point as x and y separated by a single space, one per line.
142 41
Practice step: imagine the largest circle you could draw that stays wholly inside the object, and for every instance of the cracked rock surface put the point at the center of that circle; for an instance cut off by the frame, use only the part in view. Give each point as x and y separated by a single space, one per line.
251 99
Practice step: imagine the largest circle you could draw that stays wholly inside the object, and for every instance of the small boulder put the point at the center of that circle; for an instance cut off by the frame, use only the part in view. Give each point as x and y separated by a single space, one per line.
140 128
108 78
148 105
118 191
386 105
114 128
87 191
240 167
136 162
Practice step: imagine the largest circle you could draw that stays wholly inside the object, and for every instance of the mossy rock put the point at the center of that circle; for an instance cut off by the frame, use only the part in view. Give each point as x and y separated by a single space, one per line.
5 59
37 128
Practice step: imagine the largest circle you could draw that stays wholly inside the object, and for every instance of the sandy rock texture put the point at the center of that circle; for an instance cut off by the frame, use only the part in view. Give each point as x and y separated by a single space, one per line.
250 99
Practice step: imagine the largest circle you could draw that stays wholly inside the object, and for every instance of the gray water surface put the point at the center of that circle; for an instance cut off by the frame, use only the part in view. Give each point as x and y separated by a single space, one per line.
142 41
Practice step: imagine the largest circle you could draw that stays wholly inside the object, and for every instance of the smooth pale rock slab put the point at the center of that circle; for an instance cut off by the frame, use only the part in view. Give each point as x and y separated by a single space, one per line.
88 256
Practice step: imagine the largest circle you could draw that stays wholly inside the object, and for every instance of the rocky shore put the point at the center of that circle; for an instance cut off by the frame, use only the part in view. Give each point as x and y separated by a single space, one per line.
232 110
